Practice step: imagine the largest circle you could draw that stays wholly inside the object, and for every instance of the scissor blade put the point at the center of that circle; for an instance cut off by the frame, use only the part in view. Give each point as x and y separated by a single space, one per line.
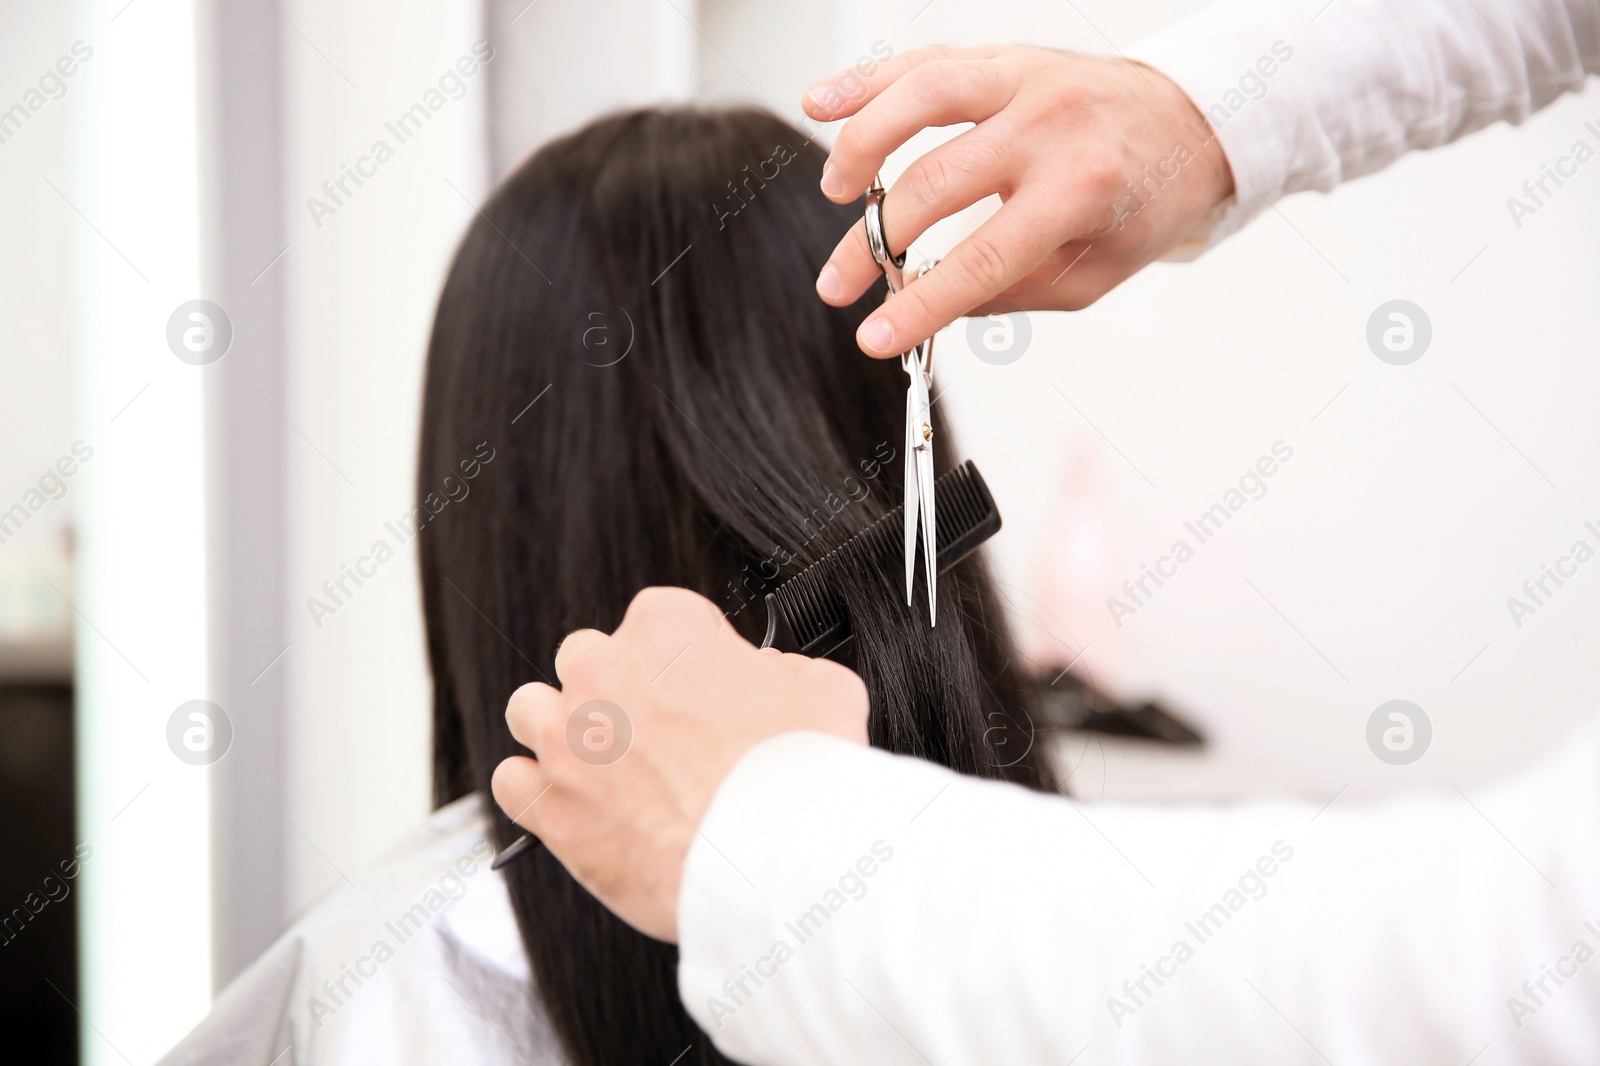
930 542
912 493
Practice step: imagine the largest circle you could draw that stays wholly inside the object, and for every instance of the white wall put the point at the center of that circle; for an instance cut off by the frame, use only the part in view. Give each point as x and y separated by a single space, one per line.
35 287
564 64
360 293
36 356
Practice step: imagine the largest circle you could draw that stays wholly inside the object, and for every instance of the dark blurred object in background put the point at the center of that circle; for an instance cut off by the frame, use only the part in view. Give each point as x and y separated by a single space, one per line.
1070 703
38 904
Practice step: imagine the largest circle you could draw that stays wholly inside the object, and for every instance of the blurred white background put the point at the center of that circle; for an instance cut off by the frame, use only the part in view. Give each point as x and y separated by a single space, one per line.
178 164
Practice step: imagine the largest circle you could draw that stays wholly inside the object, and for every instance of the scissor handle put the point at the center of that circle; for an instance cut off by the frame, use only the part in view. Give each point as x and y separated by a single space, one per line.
878 239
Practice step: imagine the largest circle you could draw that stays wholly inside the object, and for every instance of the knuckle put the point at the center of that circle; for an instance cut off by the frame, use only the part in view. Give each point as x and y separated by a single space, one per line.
1101 175
918 304
580 655
503 783
524 702
930 181
855 250
526 710
663 614
650 602
934 84
980 152
982 262
985 76
1068 102
662 606
850 144
858 168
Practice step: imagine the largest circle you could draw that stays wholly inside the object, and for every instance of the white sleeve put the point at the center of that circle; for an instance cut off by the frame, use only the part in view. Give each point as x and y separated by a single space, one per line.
1305 94
842 905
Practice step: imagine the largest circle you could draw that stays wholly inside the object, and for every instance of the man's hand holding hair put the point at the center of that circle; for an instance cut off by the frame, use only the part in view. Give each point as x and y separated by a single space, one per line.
697 696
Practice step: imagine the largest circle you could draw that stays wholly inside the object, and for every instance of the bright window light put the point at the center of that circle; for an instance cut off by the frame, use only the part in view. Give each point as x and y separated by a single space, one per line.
133 203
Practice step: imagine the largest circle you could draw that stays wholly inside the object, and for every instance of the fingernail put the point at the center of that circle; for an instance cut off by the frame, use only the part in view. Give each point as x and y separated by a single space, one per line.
821 93
876 334
828 283
832 183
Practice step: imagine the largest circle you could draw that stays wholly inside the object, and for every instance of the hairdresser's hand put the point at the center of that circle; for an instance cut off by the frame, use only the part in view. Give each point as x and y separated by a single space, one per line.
696 696
1062 138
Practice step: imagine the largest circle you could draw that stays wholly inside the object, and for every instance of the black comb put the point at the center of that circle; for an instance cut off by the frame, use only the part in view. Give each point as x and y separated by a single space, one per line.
806 614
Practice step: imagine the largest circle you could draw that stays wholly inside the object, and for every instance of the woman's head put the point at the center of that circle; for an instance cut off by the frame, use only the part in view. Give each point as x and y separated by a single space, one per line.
629 330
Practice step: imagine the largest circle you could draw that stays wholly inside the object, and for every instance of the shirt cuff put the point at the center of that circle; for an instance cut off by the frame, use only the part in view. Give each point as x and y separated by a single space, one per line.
1234 62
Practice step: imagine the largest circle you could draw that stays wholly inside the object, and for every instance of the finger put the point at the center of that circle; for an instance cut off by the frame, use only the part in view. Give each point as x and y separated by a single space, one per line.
580 645
1000 253
1071 278
950 178
843 93
934 94
530 708
850 270
953 176
518 785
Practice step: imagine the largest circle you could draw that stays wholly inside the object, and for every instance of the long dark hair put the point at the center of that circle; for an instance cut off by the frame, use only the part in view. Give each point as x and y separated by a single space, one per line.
628 332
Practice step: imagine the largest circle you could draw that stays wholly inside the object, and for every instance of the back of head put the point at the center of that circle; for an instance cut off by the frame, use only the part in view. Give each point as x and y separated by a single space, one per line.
629 330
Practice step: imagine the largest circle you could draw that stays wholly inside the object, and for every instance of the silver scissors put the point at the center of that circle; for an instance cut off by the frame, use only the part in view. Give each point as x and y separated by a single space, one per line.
918 365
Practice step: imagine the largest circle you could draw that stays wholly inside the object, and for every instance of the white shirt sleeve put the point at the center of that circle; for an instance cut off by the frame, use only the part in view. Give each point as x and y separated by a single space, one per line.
842 905
1305 94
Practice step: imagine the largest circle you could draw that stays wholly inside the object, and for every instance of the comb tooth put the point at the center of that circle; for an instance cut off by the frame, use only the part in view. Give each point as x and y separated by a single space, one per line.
817 609
967 517
810 610
960 501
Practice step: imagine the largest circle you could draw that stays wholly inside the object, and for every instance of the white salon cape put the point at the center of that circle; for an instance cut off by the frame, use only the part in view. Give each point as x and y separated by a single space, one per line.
845 906
417 961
